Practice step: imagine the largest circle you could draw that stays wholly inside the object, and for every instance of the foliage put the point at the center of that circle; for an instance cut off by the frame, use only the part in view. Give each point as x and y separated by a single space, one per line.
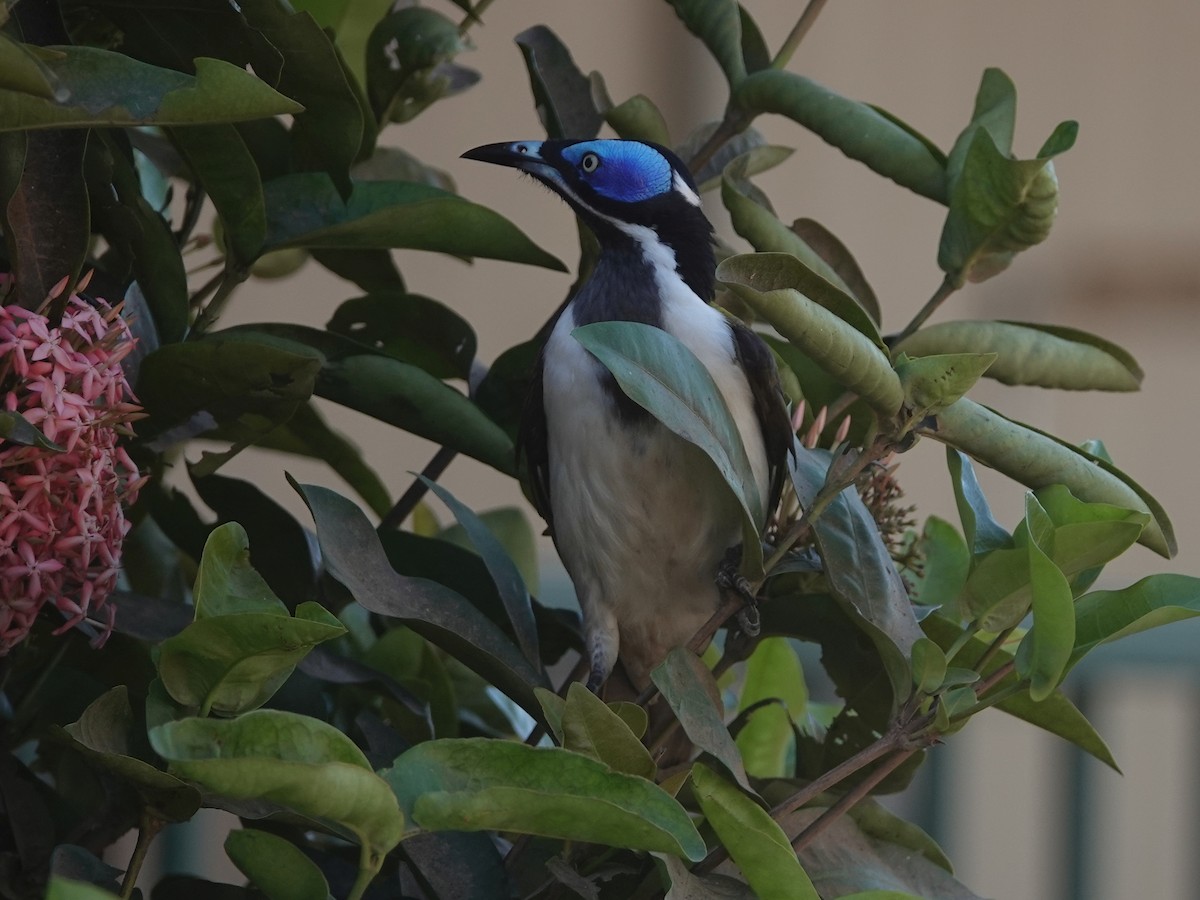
351 688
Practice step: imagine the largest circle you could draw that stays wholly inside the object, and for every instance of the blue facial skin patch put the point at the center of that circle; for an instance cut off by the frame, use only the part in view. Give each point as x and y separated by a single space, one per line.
628 171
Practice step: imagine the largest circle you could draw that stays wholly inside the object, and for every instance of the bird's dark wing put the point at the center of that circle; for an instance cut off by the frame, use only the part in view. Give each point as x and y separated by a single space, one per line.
532 446
758 363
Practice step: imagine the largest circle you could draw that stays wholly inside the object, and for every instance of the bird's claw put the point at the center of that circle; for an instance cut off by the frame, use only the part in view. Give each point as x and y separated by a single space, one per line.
730 579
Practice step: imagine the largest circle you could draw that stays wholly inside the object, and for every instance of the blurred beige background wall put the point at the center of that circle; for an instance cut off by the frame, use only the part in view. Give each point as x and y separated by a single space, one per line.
1123 261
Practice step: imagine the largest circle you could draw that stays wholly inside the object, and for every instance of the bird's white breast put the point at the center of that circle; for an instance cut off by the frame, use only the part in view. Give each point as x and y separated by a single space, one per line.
641 516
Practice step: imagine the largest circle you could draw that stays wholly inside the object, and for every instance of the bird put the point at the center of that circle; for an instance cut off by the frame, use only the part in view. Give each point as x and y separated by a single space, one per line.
639 515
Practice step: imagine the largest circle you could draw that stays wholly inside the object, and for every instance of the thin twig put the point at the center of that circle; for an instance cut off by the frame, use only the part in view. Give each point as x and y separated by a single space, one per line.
148 830
995 678
803 25
849 799
945 289
993 649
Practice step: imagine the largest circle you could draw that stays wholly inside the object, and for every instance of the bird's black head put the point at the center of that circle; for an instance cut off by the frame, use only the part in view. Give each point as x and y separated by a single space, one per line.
626 191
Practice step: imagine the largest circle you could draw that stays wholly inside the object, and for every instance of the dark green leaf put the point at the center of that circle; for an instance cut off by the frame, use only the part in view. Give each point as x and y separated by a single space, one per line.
46 216
395 164
275 866
995 112
354 557
562 93
928 665
512 529
861 572
691 691
370 269
982 531
107 88
507 578
638 119
65 889
1037 460
998 207
412 328
754 47
305 210
838 257
23 69
137 231
1046 648
1046 356
591 728
409 63
719 24
753 217
476 784
754 840
999 590
74 863
847 354
300 763
106 734
15 429
225 168
663 376
855 128
372 382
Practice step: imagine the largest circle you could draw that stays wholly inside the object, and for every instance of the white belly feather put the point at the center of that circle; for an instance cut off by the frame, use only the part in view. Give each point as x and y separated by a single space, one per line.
641 518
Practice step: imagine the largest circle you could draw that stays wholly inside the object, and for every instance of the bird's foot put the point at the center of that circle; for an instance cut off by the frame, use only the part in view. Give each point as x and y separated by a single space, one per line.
730 579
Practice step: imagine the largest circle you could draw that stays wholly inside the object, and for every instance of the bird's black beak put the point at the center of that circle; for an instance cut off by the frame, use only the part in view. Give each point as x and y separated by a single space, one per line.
523 155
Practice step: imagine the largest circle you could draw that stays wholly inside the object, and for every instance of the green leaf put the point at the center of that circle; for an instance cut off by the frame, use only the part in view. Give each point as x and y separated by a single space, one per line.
690 690
687 885
1037 460
479 784
664 377
838 257
137 234
46 215
855 128
591 728
998 207
15 429
65 889
753 839
931 383
23 69
638 119
861 573
562 93
1104 616
982 531
236 662
1056 714
753 218
412 328
999 590
1086 535
928 665
1044 652
850 356
512 529
106 88
106 734
354 557
507 578
226 583
947 564
226 169
297 762
410 63
275 866
246 384
995 112
304 209
718 24
1026 353
372 382
772 672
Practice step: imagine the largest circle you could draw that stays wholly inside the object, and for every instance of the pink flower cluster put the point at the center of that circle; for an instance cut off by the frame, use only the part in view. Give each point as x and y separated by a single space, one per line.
62 521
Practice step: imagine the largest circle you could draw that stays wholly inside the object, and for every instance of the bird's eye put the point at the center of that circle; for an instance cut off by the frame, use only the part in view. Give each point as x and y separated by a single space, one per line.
590 162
